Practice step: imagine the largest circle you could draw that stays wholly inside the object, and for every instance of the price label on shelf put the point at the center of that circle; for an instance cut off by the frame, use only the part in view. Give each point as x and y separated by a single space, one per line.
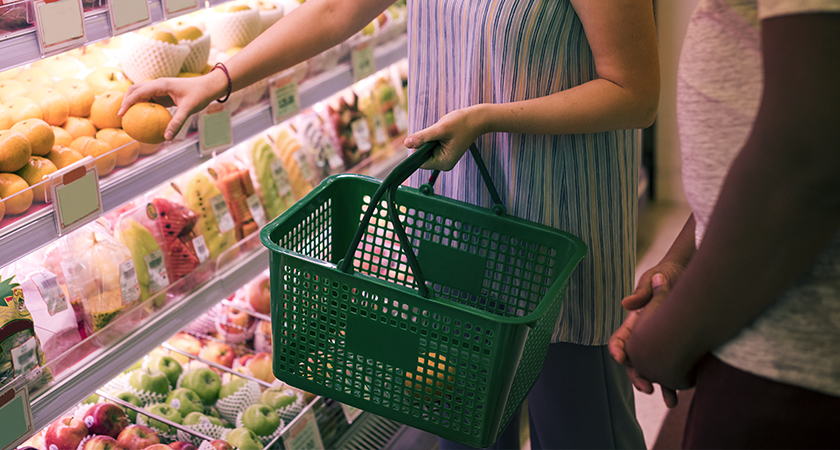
351 413
363 63
59 24
222 213
285 101
14 415
201 250
179 7
127 15
257 211
75 195
304 434
214 129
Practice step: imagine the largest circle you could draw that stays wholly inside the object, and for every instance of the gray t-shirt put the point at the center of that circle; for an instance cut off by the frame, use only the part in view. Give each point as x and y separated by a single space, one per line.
797 340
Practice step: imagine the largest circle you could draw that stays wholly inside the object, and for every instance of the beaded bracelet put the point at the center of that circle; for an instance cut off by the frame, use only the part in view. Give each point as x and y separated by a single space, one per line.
229 83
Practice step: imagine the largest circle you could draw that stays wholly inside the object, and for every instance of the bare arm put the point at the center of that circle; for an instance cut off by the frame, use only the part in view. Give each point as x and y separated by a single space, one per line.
622 36
778 208
310 29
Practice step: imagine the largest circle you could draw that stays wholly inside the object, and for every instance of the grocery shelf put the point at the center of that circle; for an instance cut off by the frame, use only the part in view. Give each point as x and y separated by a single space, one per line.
98 368
38 229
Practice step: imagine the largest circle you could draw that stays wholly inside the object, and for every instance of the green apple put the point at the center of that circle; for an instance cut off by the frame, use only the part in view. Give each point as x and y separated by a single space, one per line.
168 365
204 382
129 397
185 401
134 366
261 419
278 397
212 411
151 380
235 384
244 439
167 412
195 418
92 399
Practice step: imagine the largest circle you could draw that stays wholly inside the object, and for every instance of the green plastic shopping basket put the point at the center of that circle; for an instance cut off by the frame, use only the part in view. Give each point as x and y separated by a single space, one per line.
452 349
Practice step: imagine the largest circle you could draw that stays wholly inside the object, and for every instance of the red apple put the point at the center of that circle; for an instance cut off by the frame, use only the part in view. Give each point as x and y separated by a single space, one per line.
260 366
218 353
259 295
137 437
102 443
106 419
219 444
236 321
181 445
65 433
158 447
243 360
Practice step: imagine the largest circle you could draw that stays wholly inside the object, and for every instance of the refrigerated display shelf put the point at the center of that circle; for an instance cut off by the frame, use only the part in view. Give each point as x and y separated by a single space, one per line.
38 229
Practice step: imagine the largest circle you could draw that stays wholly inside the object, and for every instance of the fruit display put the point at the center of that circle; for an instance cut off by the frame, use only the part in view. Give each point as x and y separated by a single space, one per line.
236 186
352 129
270 177
214 222
296 160
147 256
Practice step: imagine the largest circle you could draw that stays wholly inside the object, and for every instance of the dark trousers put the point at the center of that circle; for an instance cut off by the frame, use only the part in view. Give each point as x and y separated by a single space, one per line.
582 399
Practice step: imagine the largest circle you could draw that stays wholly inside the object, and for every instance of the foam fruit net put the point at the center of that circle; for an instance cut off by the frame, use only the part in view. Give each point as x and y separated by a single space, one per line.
143 58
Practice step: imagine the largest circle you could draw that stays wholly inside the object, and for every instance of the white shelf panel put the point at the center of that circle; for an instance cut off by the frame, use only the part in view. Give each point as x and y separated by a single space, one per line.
29 234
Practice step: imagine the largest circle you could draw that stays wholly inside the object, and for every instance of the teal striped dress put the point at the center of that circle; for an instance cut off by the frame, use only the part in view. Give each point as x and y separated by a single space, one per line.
464 52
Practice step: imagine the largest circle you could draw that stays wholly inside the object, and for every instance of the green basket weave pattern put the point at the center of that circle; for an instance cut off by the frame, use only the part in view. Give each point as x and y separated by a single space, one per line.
458 364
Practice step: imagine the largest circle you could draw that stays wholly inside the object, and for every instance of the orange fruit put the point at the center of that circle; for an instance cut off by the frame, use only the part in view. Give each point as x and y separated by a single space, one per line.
2 208
34 77
128 150
146 122
6 121
22 108
12 88
34 172
78 93
39 134
79 126
11 184
149 149
63 156
62 136
54 105
14 151
89 146
103 112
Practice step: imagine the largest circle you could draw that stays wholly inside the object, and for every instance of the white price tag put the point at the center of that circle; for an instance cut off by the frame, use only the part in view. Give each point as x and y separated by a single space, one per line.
351 413
214 129
75 195
127 15
281 177
59 24
222 213
24 357
257 211
304 434
201 250
51 291
361 133
379 132
302 161
158 278
363 62
15 416
400 119
285 101
129 285
179 7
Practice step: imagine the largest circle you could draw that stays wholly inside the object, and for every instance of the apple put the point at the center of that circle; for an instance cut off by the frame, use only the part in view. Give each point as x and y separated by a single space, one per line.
130 397
102 443
185 401
106 419
158 447
259 295
236 321
93 398
159 34
168 365
278 397
150 380
181 445
165 411
195 418
104 79
185 342
188 33
137 437
244 439
260 366
66 433
235 384
219 444
218 353
204 382
261 419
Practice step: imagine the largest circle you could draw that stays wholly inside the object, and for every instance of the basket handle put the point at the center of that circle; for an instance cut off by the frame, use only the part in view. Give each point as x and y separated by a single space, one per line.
498 207
389 186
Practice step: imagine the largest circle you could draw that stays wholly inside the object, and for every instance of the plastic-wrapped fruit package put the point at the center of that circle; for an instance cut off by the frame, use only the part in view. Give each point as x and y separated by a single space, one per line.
20 350
173 226
53 258
386 95
236 186
214 220
369 106
295 158
148 257
352 130
312 130
269 177
55 321
105 273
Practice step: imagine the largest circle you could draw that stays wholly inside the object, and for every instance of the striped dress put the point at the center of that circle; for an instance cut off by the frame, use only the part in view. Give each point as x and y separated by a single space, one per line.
465 52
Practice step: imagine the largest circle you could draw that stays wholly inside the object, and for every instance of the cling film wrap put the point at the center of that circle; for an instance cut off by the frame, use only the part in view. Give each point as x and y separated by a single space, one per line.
230 406
143 58
196 59
233 29
264 439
